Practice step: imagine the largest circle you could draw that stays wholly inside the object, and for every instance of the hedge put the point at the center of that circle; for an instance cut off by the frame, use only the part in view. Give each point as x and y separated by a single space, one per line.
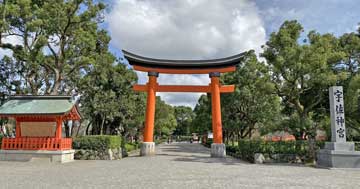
160 140
357 146
131 146
247 148
97 142
183 138
208 142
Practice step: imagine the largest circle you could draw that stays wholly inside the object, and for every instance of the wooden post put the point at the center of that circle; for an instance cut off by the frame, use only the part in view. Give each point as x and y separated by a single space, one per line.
58 128
216 107
150 107
17 129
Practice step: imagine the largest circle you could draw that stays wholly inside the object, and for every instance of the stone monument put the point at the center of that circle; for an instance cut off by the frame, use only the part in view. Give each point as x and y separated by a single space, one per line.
338 153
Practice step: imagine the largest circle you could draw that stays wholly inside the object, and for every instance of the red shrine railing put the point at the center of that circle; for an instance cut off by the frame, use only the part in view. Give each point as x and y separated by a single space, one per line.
28 143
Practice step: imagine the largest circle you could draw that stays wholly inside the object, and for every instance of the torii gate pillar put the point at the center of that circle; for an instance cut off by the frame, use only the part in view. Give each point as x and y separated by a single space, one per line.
218 148
148 146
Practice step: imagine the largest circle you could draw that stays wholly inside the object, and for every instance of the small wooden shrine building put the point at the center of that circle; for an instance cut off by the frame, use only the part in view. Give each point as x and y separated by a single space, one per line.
38 130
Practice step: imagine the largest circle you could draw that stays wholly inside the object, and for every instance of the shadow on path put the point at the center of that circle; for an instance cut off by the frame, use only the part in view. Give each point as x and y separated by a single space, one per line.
194 152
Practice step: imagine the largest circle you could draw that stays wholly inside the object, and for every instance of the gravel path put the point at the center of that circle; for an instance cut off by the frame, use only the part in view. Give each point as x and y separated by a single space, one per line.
175 166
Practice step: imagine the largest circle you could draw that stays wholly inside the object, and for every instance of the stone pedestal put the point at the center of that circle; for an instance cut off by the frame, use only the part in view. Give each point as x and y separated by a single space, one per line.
63 156
338 155
147 149
218 150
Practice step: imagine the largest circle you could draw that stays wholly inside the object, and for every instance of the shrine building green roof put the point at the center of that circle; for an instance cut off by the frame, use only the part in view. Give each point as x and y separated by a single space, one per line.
37 105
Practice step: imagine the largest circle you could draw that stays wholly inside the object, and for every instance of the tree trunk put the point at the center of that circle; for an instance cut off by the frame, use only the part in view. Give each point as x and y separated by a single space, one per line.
233 139
87 128
102 126
67 129
238 137
312 146
78 129
57 83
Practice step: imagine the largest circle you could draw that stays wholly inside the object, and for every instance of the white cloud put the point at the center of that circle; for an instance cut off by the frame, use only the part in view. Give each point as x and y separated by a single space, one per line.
185 29
14 40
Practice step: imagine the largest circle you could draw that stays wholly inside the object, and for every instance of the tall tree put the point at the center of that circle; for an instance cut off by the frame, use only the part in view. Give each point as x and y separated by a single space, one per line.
184 116
352 108
109 102
302 72
165 121
350 45
349 66
253 104
202 121
56 41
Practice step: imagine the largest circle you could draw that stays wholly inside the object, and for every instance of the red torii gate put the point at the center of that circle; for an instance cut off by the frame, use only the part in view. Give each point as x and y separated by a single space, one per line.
212 67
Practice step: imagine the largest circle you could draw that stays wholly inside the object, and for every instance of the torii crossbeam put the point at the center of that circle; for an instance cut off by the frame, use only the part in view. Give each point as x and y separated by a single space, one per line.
212 67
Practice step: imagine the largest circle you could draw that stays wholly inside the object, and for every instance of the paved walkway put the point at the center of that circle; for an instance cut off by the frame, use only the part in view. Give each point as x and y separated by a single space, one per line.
182 166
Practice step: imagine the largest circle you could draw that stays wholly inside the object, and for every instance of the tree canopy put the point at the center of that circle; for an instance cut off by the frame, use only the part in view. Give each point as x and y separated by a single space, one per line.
55 42
253 104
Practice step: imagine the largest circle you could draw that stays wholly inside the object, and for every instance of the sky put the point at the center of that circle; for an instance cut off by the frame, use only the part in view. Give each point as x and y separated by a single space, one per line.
206 29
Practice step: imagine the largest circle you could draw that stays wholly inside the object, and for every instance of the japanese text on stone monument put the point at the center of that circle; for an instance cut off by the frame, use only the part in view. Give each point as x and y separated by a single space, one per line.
337 113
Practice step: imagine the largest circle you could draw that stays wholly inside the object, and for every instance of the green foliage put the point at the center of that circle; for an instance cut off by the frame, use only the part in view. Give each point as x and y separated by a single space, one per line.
131 146
160 140
208 142
58 41
94 142
109 102
184 116
302 73
253 104
247 148
202 121
352 107
183 138
357 146
165 120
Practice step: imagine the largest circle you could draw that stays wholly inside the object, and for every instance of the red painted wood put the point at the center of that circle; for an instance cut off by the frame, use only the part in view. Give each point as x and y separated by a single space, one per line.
185 88
184 71
58 132
39 143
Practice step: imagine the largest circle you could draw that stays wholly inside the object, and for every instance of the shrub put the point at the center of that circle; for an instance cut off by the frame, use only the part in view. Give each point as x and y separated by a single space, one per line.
97 142
183 138
357 146
208 142
247 148
131 146
160 140
231 150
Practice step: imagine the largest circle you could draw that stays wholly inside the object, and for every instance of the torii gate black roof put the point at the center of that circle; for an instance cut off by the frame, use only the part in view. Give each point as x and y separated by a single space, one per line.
183 64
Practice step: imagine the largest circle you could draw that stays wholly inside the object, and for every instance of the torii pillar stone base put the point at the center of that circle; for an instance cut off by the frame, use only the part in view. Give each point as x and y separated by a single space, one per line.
218 150
147 149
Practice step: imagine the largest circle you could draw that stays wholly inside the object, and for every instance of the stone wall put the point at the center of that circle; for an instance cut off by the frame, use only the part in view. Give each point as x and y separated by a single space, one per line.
109 154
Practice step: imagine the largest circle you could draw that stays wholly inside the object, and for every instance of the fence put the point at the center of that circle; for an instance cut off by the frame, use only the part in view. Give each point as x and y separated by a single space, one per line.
27 143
